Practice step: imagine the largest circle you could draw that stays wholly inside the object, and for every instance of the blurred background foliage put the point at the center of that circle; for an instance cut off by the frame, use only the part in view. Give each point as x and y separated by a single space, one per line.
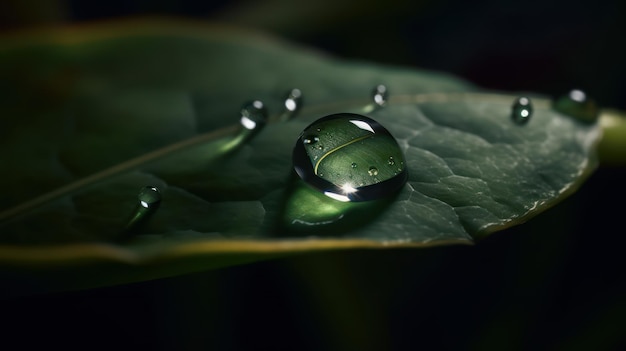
556 282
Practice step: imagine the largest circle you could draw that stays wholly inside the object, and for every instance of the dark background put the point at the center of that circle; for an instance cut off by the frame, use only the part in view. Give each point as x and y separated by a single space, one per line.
555 283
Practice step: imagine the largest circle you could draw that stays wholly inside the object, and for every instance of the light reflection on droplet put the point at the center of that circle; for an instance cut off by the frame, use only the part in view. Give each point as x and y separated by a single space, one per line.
348 188
310 139
338 197
577 95
363 125
247 123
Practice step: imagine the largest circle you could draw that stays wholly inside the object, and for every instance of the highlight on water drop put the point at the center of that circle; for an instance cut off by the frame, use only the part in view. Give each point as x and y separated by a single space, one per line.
310 139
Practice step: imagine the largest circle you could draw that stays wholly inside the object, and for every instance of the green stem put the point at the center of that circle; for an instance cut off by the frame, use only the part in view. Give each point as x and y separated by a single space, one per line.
612 147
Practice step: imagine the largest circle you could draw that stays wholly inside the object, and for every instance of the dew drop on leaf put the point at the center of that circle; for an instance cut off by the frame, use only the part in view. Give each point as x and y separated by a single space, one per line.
148 202
293 103
350 139
380 94
578 105
253 119
253 115
522 110
149 197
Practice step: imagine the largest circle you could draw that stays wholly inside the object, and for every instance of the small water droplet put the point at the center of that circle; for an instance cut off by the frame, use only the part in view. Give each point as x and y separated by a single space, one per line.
253 115
253 119
149 197
380 95
578 105
391 161
148 201
522 110
293 103
346 136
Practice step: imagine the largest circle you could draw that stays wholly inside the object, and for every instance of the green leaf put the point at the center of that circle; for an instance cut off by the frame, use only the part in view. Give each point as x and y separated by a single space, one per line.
91 116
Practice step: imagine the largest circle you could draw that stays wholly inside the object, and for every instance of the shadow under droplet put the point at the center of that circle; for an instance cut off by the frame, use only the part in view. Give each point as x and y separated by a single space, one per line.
306 211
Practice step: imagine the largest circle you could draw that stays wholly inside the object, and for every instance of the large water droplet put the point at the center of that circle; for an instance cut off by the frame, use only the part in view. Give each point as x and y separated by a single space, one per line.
350 139
293 103
578 105
522 110
380 95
